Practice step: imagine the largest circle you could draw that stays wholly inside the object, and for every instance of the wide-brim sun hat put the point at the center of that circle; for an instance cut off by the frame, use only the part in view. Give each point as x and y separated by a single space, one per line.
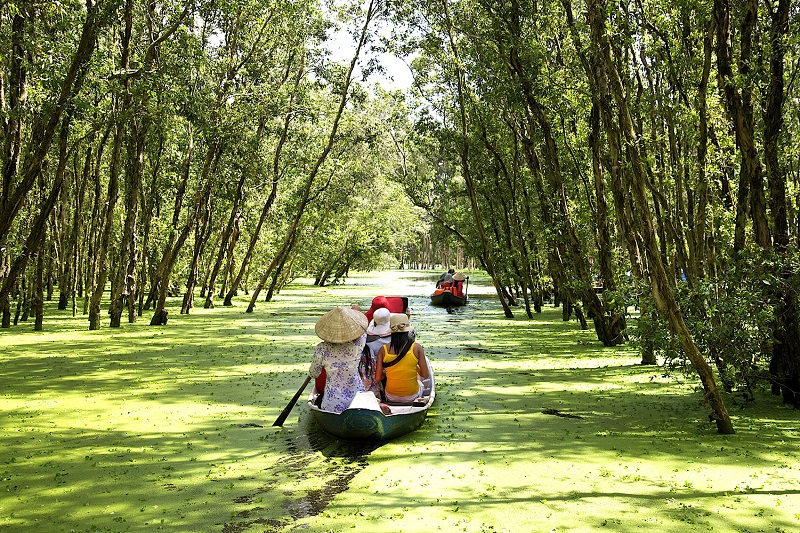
459 276
400 323
341 325
380 323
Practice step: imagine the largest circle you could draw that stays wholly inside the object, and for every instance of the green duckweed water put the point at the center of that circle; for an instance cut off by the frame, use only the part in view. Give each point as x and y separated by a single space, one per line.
145 429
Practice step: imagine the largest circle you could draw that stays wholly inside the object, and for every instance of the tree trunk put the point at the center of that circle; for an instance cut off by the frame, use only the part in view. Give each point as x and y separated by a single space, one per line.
662 292
785 363
231 229
486 256
201 233
739 109
43 130
174 245
104 244
38 292
32 246
306 190
148 201
276 159
17 96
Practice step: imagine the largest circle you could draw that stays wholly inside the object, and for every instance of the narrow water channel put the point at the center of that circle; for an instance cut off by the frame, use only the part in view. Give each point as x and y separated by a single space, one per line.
343 460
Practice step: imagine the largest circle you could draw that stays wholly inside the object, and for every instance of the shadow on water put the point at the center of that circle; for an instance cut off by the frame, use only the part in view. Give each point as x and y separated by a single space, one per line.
342 461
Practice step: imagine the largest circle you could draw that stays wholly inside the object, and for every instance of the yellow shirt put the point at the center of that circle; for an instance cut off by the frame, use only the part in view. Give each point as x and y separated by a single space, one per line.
401 379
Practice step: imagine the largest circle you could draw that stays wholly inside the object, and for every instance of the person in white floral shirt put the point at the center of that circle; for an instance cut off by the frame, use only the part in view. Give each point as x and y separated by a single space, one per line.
344 333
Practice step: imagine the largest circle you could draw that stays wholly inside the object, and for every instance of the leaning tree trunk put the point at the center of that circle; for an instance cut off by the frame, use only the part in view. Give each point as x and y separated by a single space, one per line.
663 296
105 240
486 256
236 279
309 182
785 364
42 132
228 232
147 201
38 292
164 271
32 247
202 230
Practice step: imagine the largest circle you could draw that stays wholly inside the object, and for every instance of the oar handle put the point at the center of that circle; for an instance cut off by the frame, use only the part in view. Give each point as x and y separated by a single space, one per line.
288 409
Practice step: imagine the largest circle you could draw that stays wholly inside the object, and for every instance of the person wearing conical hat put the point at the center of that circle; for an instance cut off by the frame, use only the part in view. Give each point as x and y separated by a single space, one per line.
458 284
344 333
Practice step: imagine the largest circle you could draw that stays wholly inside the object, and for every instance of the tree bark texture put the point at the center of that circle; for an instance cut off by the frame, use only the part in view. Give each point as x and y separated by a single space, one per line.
662 291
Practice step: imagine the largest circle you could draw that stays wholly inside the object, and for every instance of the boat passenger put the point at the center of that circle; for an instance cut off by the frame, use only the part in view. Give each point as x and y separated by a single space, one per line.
378 335
402 362
319 383
344 334
445 279
379 302
458 284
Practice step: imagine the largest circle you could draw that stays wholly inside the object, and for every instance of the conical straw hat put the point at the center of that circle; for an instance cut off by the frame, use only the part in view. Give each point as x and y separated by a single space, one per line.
341 325
459 276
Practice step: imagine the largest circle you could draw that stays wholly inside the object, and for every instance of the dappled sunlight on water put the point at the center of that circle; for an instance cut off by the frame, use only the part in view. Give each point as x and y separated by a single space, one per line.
146 428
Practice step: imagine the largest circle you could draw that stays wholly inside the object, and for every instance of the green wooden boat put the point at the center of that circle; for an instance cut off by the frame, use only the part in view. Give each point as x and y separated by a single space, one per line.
364 420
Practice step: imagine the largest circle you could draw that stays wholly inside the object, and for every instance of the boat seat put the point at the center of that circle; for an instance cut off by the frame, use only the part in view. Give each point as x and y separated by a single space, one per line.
418 402
365 400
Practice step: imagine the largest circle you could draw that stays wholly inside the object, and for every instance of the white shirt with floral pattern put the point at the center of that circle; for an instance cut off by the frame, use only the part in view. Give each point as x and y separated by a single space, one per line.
341 365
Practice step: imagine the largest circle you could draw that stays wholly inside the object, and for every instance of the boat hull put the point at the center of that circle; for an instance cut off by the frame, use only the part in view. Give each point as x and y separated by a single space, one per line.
364 420
366 424
448 299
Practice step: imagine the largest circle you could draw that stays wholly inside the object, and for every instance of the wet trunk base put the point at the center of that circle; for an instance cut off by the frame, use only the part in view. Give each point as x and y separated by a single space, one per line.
611 329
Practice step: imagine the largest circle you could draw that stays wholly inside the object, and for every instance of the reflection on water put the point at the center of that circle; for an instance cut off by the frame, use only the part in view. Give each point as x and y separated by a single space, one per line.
343 460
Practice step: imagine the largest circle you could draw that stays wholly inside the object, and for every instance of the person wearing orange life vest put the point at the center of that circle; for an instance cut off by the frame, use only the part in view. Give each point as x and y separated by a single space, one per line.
402 362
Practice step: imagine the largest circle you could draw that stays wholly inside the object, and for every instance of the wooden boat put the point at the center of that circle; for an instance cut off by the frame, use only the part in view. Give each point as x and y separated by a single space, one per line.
446 298
364 420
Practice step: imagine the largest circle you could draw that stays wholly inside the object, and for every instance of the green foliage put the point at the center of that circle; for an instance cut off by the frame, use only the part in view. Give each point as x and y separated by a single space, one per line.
732 319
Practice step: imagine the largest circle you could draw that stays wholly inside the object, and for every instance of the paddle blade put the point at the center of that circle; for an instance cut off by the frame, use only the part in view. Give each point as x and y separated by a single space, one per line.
288 409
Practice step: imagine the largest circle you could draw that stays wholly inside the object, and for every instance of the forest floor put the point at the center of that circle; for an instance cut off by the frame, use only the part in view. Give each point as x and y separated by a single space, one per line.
536 427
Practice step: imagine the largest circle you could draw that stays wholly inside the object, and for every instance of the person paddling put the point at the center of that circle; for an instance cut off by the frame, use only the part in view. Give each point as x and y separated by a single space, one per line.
344 333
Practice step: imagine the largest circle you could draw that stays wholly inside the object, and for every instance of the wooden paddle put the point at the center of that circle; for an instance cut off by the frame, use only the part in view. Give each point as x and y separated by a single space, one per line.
288 409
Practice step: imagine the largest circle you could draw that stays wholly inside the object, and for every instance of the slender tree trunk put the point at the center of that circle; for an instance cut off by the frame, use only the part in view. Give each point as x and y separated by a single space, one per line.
662 292
701 220
227 234
17 96
107 226
38 293
32 246
132 184
174 246
43 130
309 182
276 159
202 231
148 201
785 363
465 163
739 109
94 236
